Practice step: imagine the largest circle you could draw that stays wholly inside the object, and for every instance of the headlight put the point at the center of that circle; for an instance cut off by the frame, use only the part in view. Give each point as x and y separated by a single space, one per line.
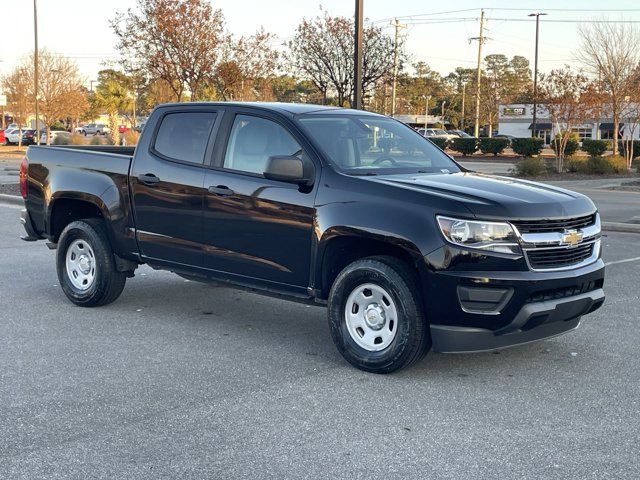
488 236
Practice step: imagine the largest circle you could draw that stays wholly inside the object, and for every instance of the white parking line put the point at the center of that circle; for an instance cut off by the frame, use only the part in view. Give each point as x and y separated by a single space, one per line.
634 259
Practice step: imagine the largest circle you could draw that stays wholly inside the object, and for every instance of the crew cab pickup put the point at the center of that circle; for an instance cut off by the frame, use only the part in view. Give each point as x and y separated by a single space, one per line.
409 250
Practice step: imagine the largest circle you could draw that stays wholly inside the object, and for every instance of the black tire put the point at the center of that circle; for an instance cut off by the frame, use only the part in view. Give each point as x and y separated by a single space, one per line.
108 282
412 339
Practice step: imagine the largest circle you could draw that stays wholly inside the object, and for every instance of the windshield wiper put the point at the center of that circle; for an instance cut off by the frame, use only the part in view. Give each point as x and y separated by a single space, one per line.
363 174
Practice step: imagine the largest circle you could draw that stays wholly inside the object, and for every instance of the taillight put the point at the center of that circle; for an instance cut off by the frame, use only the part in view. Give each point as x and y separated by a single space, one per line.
23 177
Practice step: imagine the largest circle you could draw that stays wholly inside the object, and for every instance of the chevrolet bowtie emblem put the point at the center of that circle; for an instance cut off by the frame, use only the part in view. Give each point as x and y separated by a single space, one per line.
572 237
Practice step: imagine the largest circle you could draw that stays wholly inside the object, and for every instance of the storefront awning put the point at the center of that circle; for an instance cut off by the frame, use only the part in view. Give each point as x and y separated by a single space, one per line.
541 126
609 126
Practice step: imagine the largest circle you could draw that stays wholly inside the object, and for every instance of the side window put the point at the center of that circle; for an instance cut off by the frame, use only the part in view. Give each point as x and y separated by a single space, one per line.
184 136
253 140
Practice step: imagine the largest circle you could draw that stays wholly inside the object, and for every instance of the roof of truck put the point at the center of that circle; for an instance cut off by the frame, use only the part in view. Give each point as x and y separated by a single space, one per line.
289 108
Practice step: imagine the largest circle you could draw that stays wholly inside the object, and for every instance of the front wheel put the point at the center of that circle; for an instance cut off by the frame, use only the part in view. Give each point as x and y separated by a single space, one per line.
376 316
86 266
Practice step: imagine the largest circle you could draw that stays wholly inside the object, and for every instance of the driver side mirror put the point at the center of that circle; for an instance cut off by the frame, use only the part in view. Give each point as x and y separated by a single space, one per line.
290 169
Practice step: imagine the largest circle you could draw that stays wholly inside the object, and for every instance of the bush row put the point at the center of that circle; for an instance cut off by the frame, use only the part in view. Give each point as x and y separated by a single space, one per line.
596 165
528 147
130 138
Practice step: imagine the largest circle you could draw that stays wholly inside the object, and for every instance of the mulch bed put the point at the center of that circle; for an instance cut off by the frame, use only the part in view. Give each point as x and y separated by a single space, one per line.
575 176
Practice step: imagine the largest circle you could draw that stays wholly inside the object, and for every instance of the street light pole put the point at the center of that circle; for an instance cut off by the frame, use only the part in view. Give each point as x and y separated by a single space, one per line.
442 113
535 74
35 67
357 57
426 112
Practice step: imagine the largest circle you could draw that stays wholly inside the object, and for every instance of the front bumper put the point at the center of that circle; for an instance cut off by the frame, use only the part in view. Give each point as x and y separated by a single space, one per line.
535 321
505 304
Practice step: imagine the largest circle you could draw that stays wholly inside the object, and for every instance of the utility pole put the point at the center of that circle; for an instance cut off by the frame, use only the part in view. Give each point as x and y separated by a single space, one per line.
357 57
481 39
464 87
397 26
35 67
535 75
442 113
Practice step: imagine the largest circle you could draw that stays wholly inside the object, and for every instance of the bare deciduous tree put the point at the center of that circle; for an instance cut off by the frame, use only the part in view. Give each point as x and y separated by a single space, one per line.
322 51
610 50
173 40
630 114
566 95
245 64
61 92
18 89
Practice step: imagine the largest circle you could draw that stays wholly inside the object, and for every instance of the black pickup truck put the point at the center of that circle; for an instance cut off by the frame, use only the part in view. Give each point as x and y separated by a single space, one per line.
408 250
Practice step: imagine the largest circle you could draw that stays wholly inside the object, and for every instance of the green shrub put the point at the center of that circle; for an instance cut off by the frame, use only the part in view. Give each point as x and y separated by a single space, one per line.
531 167
61 140
466 146
493 145
57 126
606 165
572 146
77 139
622 146
96 141
439 142
527 146
131 138
595 148
618 164
576 165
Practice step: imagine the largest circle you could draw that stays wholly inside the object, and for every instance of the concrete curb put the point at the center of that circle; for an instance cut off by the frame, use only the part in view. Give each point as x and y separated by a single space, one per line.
621 227
11 200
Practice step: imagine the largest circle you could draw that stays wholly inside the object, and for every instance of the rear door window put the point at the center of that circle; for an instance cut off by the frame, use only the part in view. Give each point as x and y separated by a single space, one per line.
183 136
253 140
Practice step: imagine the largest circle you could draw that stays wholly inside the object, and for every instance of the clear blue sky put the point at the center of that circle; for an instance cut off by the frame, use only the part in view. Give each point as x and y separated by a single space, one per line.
79 29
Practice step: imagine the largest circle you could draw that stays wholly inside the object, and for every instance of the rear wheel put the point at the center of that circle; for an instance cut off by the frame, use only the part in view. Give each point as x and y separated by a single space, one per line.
86 266
376 316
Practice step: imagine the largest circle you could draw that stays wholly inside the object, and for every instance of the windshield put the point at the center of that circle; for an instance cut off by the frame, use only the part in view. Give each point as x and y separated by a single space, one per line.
368 145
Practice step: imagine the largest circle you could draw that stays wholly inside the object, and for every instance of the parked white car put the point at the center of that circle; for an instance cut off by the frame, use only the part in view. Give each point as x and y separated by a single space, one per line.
53 134
13 136
94 129
436 133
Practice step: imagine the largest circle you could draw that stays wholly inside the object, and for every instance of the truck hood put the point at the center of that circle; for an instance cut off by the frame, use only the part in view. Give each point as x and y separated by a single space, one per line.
492 197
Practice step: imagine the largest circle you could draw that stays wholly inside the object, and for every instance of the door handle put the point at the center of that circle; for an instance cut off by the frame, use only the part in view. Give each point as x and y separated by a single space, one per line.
148 179
221 190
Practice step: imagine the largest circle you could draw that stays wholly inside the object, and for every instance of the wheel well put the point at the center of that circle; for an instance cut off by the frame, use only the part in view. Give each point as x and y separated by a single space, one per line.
67 210
342 251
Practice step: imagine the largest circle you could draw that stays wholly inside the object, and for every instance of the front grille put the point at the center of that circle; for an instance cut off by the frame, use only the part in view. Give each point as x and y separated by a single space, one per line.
547 258
564 292
559 225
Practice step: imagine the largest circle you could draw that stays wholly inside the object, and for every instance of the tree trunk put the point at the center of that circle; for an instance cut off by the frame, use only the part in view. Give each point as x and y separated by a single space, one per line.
616 126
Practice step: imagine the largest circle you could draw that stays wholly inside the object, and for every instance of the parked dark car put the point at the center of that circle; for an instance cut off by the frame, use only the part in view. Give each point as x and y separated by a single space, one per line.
356 211
29 137
460 133
508 137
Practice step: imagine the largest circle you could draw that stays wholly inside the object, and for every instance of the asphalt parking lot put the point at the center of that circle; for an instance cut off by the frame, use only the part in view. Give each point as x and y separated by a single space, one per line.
183 380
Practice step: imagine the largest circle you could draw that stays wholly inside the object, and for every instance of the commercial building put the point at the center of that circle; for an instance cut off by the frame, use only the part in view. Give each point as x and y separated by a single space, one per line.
517 119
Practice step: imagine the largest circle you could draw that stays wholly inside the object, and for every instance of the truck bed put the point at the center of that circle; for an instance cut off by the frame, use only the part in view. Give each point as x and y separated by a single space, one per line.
75 173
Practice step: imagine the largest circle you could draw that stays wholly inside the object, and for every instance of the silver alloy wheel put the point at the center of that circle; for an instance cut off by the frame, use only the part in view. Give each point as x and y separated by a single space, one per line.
371 317
81 264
